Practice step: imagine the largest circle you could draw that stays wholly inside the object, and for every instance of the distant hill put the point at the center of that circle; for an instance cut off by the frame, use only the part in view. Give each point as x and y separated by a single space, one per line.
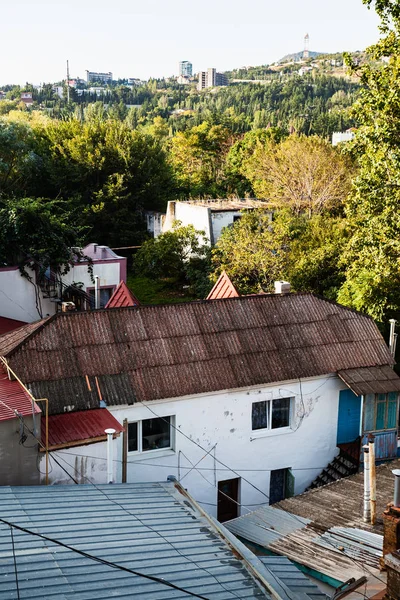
296 56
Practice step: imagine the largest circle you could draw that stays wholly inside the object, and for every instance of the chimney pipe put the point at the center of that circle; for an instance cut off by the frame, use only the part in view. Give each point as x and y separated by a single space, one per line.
110 467
392 337
367 492
372 477
96 292
282 287
396 502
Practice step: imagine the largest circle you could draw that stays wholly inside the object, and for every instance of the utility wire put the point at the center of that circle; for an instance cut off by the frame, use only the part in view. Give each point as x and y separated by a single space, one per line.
101 560
15 562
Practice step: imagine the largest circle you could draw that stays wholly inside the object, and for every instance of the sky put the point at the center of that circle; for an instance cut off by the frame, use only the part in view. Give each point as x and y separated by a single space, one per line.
148 38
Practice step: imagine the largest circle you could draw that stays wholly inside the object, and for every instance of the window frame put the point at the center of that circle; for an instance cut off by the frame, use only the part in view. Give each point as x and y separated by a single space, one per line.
372 404
269 417
139 424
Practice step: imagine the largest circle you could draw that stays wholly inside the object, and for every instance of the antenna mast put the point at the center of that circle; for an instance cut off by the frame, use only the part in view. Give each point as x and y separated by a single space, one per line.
306 51
67 81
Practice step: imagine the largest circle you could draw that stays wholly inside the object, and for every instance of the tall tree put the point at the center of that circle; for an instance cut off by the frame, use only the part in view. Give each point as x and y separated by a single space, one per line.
372 257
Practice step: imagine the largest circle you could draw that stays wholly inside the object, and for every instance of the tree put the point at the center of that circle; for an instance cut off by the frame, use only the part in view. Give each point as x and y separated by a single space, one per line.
18 161
372 256
181 254
303 173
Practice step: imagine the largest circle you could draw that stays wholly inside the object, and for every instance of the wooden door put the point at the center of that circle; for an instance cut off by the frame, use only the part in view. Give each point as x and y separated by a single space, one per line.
228 498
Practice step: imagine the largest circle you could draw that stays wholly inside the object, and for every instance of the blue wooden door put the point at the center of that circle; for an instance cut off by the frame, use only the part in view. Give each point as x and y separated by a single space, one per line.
349 417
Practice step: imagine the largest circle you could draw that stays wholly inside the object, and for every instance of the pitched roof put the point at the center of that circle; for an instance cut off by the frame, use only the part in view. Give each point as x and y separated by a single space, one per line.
77 428
14 338
121 297
13 397
166 351
223 288
152 528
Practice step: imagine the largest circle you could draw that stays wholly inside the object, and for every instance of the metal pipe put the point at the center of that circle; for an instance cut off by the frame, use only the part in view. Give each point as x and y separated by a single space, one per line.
372 478
392 337
96 292
110 467
396 502
367 495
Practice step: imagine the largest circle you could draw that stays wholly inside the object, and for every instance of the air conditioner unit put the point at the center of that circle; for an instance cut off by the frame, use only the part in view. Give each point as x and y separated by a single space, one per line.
68 306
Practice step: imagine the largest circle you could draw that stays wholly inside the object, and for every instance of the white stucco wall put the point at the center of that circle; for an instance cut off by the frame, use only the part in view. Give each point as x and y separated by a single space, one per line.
224 419
17 297
222 219
188 214
109 274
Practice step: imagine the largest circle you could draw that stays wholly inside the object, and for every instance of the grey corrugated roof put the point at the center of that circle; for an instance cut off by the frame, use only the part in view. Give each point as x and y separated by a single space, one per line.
292 577
104 521
265 525
153 352
371 380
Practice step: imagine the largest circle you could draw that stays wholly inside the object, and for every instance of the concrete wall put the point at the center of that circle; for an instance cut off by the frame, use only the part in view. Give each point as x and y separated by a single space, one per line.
189 214
19 463
223 219
224 419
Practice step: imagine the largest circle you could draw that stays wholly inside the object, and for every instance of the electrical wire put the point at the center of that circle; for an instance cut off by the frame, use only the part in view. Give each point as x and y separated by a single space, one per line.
15 562
156 532
101 560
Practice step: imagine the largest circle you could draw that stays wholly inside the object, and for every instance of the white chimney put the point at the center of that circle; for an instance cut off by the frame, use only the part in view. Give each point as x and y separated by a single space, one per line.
282 287
392 337
367 490
96 291
110 466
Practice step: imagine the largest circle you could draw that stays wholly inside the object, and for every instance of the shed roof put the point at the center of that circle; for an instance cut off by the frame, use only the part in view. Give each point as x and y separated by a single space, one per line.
7 325
13 397
122 296
371 380
74 428
166 351
152 528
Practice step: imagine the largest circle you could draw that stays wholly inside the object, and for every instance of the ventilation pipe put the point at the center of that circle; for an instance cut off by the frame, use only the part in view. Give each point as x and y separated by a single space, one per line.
396 501
97 292
110 466
372 478
392 337
367 492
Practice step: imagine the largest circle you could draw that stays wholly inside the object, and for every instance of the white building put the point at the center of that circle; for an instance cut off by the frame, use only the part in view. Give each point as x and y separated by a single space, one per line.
244 400
185 68
41 294
210 216
342 136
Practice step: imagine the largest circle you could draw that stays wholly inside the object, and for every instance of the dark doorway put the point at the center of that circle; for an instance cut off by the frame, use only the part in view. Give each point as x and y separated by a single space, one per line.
281 485
228 498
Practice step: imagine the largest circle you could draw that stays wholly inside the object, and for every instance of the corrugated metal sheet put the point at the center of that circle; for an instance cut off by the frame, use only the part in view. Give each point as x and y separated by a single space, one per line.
371 380
265 525
292 577
173 350
122 296
223 288
78 426
172 540
13 397
363 546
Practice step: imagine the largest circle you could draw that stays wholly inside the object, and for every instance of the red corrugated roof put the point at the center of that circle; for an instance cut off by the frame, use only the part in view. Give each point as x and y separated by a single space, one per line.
224 288
7 325
13 398
122 297
74 427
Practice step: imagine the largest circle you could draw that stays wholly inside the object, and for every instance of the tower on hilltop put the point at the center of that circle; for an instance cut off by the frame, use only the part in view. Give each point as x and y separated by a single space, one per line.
306 51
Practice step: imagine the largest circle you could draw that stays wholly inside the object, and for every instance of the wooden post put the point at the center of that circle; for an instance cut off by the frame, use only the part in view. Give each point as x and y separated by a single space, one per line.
124 450
372 477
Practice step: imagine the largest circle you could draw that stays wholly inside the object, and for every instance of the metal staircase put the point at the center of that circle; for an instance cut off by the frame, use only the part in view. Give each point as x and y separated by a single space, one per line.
341 466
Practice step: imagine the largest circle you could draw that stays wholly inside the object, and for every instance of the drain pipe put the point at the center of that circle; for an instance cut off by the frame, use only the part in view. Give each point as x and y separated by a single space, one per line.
372 477
367 492
110 469
396 502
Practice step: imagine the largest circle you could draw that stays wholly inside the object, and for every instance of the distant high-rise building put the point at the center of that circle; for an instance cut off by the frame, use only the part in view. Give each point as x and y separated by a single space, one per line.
185 68
93 77
210 79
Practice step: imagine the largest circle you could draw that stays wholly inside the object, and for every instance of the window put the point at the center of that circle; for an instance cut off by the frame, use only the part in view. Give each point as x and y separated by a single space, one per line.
104 296
271 414
281 485
380 411
150 434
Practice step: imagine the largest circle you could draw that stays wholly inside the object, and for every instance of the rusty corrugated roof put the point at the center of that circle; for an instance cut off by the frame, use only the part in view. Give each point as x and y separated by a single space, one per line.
371 380
122 296
166 351
11 340
13 398
73 427
223 288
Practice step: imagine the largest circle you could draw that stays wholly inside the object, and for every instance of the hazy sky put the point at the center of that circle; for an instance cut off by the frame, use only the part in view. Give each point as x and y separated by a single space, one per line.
147 38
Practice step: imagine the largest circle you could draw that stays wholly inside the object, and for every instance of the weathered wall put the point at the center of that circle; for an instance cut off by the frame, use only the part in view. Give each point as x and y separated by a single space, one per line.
19 463
18 299
189 214
222 219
